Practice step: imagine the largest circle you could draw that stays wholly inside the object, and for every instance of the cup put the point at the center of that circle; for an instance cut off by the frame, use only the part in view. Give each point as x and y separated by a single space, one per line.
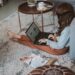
31 2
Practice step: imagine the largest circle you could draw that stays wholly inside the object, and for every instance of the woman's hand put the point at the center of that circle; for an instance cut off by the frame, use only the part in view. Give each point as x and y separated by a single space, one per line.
52 37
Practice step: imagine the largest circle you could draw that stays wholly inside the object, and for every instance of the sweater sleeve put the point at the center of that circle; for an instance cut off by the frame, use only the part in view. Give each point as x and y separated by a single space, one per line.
62 41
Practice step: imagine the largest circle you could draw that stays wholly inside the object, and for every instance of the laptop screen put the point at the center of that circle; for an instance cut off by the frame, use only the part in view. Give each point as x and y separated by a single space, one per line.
32 31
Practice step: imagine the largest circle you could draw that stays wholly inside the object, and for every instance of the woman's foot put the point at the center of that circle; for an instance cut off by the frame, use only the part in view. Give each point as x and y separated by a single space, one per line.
13 35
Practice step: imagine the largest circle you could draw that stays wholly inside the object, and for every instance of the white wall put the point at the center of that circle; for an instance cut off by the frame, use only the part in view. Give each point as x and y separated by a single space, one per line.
72 41
1 1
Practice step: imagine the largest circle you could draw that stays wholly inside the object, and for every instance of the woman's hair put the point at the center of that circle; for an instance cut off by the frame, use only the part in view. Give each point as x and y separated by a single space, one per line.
65 13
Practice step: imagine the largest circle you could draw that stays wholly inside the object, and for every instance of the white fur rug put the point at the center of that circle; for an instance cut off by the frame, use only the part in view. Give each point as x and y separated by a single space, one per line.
10 52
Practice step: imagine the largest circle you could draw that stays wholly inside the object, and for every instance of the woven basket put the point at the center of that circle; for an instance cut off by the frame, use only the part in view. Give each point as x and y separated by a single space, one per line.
51 70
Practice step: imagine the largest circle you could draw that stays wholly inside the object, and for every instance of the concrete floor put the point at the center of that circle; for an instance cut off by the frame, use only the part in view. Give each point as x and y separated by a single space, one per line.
10 7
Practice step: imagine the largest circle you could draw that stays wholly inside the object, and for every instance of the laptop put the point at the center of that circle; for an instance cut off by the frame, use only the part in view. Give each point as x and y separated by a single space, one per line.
34 33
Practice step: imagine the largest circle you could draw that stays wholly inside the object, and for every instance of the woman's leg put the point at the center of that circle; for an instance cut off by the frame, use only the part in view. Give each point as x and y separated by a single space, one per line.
13 35
20 38
26 41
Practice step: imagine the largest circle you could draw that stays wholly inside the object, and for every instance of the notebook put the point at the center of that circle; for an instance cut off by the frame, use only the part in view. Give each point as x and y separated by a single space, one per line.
34 33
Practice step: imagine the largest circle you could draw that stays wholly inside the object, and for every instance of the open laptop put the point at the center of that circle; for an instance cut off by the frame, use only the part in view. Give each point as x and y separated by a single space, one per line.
34 33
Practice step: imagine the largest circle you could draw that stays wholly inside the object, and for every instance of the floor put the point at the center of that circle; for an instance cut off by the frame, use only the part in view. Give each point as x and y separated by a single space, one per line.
9 8
12 51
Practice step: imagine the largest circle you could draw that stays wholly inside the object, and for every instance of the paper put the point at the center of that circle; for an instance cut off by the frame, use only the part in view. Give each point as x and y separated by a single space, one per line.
36 61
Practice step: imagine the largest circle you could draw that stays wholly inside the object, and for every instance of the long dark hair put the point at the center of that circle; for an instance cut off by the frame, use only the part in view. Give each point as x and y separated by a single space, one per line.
65 13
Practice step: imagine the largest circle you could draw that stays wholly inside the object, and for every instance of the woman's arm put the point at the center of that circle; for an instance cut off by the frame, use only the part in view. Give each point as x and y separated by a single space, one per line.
62 40
53 37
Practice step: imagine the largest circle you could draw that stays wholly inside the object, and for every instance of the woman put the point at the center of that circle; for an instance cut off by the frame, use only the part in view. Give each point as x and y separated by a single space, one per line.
60 40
